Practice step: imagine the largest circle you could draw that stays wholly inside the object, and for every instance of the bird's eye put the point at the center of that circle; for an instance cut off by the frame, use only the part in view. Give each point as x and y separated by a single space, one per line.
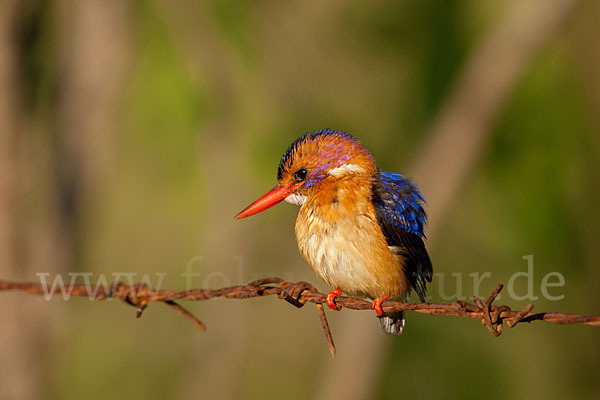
301 174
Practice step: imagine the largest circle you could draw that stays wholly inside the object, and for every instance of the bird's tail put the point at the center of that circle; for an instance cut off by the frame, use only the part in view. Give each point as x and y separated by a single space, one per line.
392 323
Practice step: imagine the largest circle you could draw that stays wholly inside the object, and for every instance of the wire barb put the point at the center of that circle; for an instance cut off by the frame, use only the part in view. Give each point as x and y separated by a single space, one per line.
298 293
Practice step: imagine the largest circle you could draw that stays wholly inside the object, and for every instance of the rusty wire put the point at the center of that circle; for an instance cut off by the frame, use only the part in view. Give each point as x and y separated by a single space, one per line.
298 293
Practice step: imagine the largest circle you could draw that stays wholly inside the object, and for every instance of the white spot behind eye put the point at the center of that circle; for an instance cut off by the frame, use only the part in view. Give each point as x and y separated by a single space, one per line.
296 199
346 169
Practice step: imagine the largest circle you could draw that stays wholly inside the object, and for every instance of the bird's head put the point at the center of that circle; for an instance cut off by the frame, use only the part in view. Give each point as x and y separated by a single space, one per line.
313 163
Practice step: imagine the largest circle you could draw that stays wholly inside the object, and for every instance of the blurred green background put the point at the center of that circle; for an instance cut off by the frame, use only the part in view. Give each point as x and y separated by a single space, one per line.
133 132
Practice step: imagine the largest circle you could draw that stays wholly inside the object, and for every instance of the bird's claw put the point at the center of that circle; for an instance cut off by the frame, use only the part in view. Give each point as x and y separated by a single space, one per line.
331 299
377 305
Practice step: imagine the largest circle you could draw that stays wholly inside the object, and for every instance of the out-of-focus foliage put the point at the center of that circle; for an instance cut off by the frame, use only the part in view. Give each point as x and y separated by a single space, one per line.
207 97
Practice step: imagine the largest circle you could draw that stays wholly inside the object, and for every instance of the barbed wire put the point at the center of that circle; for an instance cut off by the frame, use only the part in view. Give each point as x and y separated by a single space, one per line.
299 293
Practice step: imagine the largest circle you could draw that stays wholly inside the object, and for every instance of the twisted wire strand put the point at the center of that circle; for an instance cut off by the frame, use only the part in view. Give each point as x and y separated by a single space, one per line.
299 293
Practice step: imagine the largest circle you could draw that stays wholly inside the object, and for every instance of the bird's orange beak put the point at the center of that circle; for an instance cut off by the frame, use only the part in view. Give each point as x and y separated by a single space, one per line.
268 200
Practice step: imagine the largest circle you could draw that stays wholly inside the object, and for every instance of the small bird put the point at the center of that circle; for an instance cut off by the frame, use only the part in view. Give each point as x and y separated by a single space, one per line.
361 229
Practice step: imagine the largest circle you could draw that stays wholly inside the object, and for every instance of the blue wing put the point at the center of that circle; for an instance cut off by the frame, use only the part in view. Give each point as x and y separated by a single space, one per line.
400 203
400 213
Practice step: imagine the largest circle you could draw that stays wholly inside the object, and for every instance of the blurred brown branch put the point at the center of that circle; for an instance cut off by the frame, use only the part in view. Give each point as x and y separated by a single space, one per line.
458 137
298 293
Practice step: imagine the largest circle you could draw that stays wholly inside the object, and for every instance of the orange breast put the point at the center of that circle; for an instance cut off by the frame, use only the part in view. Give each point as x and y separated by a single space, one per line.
339 236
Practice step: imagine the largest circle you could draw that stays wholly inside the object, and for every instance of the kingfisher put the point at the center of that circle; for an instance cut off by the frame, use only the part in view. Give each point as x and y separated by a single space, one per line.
360 228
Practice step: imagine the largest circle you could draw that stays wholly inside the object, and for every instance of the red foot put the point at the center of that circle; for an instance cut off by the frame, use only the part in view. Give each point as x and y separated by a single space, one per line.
377 305
331 299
